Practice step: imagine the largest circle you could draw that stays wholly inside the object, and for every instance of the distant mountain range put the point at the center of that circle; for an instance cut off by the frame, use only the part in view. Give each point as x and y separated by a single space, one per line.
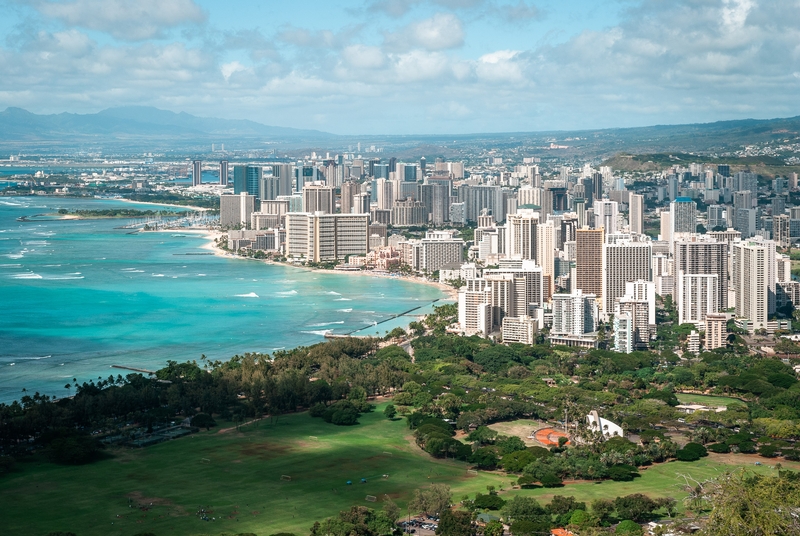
147 128
135 123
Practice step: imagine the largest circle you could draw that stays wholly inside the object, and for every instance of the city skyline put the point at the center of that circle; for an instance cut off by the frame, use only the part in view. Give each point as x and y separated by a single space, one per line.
406 66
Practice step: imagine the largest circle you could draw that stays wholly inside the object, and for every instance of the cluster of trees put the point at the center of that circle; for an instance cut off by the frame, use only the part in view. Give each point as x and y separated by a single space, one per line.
340 374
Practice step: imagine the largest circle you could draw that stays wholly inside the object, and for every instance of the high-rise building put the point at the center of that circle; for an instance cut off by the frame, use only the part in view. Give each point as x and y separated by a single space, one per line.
521 234
545 253
636 213
349 190
780 230
625 258
408 212
326 237
716 217
574 314
475 308
697 297
269 189
716 331
683 215
588 261
247 179
636 312
439 248
529 291
223 172
385 193
318 198
605 215
703 255
754 280
236 210
477 198
285 175
197 172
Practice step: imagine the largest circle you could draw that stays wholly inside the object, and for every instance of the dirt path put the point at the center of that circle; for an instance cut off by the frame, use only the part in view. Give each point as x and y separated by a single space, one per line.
226 430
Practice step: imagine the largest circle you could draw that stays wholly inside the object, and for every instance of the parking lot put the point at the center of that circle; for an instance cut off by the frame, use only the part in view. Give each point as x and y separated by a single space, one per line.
422 526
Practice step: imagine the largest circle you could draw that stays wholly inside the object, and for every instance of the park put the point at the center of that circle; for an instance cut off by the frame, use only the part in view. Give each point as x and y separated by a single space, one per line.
276 475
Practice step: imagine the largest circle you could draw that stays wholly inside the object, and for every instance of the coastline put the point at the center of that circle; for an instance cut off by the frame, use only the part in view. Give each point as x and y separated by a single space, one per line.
188 207
210 245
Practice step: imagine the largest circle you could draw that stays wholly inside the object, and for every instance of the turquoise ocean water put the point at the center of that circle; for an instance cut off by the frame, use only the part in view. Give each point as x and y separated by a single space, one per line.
79 296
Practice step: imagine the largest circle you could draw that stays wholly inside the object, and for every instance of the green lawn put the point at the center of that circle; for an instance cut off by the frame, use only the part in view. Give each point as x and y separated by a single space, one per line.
661 480
240 483
706 400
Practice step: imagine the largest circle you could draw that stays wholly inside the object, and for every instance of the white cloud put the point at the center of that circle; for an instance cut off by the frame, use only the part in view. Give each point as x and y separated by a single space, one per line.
500 66
439 32
364 57
124 19
228 69
665 62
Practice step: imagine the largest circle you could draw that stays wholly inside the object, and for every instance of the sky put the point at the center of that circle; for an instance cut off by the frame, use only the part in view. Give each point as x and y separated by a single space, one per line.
408 66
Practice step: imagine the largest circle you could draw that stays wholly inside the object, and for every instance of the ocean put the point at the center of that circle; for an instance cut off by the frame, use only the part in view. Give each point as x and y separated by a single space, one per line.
81 295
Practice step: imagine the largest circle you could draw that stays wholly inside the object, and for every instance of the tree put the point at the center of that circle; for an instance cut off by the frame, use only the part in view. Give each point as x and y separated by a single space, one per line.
636 506
485 458
629 528
390 412
432 500
563 505
550 480
756 505
457 523
493 528
524 508
603 508
391 510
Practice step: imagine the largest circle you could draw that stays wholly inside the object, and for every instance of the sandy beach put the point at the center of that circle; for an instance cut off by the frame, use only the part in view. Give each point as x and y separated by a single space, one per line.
210 245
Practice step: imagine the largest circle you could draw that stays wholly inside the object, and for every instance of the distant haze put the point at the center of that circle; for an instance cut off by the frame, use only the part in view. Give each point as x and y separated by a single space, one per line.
407 66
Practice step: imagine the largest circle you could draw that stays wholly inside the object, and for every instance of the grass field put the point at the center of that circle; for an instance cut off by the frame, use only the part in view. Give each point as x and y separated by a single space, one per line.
240 482
662 480
237 476
706 400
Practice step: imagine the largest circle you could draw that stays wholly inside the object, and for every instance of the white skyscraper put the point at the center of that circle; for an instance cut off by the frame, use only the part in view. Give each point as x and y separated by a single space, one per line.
574 314
545 252
754 267
636 213
626 258
697 297
521 234
606 213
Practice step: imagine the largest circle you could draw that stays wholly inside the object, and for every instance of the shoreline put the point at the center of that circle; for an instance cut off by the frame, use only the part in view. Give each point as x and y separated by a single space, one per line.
449 292
188 207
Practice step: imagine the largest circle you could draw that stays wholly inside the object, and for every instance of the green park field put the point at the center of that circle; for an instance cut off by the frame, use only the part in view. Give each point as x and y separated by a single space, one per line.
237 477
706 400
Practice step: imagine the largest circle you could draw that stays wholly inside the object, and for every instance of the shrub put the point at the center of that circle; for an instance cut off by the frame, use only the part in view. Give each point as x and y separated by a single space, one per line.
629 528
203 420
550 480
488 502
485 458
691 452
719 448
768 451
747 447
622 473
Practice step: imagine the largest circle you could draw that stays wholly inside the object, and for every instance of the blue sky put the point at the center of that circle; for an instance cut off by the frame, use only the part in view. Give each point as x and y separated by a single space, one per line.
408 66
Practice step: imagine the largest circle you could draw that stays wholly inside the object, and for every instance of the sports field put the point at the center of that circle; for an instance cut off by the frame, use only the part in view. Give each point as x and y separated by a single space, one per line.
236 476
